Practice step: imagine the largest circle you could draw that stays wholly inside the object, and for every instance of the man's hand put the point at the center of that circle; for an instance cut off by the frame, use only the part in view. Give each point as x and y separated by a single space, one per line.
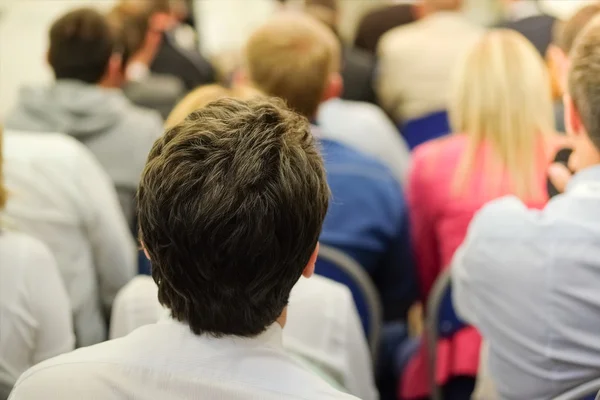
560 176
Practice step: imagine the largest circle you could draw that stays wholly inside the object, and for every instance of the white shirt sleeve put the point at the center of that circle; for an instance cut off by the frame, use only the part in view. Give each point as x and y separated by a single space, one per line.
113 246
359 375
49 305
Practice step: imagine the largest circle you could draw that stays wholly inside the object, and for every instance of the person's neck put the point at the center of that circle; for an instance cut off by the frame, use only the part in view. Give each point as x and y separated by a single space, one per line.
282 318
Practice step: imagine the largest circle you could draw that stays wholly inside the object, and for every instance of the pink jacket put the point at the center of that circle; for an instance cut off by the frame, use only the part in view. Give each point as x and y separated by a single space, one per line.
439 220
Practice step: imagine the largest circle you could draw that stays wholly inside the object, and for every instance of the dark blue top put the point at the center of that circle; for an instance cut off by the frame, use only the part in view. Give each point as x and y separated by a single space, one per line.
368 220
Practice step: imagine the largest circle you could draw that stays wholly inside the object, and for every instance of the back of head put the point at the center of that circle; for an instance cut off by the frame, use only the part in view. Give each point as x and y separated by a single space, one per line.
131 22
81 44
565 33
231 204
204 95
293 56
584 78
501 96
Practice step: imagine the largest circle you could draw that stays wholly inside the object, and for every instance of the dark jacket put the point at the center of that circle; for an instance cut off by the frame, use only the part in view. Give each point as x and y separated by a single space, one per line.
537 29
374 24
357 71
189 66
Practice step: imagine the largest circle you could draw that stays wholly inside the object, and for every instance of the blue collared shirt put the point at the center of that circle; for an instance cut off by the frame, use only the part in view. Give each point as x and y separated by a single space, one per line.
529 280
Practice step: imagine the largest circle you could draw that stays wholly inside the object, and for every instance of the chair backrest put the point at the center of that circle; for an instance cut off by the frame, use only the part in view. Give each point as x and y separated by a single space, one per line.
341 268
420 130
585 391
441 322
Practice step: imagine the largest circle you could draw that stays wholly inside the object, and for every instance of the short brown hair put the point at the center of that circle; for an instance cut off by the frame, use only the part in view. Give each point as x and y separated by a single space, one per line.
292 57
584 78
81 44
230 205
565 32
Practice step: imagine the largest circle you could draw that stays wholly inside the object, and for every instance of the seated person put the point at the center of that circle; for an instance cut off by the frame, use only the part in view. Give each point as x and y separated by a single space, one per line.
231 203
63 197
489 156
528 279
35 315
527 18
296 58
86 101
374 24
141 42
416 60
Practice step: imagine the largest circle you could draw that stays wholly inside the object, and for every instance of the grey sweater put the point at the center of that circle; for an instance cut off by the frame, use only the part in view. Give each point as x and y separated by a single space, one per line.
118 133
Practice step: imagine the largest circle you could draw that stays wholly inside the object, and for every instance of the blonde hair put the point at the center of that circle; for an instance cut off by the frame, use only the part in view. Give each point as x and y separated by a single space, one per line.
201 96
501 97
3 191
292 57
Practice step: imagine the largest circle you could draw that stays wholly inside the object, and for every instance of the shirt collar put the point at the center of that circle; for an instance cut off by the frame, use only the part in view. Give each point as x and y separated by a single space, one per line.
523 9
587 175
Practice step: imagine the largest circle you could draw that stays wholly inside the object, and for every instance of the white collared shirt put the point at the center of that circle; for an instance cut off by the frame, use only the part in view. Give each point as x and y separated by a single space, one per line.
35 316
323 328
167 361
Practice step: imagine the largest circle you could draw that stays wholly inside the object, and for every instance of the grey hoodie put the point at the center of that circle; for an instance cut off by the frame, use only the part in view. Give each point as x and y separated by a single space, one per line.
118 133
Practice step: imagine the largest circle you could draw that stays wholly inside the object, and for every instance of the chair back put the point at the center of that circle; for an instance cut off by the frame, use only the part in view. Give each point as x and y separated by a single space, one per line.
585 391
441 322
337 266
420 130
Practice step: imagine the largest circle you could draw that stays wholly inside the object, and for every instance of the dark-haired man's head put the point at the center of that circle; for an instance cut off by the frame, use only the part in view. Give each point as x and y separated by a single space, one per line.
295 57
582 103
83 47
230 205
564 35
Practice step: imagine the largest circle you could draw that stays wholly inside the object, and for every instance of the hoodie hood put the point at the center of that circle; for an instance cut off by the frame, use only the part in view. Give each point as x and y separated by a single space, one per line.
72 107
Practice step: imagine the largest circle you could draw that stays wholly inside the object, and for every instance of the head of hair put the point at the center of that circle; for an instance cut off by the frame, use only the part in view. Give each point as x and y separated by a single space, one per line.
203 95
501 98
293 56
3 191
231 204
81 45
131 23
565 32
584 79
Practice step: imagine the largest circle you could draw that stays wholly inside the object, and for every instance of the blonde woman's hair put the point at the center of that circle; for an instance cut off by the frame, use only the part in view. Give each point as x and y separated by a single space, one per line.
501 97
201 96
3 191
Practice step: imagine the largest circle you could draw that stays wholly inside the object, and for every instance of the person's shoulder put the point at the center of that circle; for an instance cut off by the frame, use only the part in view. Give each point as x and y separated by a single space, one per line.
398 36
30 253
506 218
449 144
319 287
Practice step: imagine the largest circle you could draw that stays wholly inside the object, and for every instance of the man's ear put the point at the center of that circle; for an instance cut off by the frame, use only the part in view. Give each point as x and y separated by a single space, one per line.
309 270
335 87
573 121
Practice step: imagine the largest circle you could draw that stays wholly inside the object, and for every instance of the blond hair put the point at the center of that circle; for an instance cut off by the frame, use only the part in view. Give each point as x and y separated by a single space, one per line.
3 191
293 57
202 96
501 98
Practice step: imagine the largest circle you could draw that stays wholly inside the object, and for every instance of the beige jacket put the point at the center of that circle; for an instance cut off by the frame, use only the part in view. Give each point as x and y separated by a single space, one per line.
417 62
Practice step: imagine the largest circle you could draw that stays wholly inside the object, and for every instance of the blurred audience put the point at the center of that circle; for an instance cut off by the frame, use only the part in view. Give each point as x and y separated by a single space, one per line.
63 197
376 23
564 36
527 18
225 263
501 113
35 316
296 58
516 262
417 60
141 43
86 101
358 66
177 55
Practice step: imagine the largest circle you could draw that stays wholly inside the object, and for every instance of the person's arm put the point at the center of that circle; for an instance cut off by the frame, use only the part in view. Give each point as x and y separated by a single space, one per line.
359 377
112 244
422 218
50 306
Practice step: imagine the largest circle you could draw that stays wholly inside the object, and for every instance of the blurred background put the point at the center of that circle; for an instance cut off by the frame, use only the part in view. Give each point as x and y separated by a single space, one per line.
222 25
